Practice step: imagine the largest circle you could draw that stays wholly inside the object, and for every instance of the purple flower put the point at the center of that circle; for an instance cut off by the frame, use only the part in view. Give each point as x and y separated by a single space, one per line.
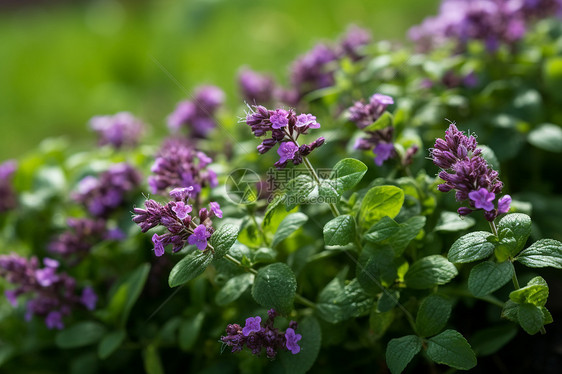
199 237
45 277
119 130
179 165
181 193
181 209
216 209
252 325
12 297
353 42
199 114
54 321
312 70
81 235
307 120
381 100
50 263
292 340
279 119
383 152
158 246
8 199
504 204
286 151
482 199
465 171
255 87
89 298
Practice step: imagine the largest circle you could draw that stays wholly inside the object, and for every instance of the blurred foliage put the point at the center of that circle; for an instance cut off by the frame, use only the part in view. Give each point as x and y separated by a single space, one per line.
62 64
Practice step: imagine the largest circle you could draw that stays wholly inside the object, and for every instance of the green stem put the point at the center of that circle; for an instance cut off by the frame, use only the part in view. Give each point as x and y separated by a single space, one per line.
308 165
516 286
304 301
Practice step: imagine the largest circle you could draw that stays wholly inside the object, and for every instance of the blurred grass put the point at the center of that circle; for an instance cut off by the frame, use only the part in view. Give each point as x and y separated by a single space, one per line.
60 65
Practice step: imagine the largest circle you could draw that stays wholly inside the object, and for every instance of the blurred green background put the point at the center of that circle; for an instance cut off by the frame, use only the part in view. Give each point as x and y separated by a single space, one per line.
62 63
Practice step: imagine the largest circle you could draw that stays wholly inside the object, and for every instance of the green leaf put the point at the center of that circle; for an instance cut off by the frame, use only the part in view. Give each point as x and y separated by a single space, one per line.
400 351
388 300
275 287
452 222
489 341
542 253
379 322
189 267
290 224
382 122
471 247
536 293
376 268
152 362
344 176
451 348
381 230
510 310
488 277
297 190
430 271
223 239
547 137
110 343
432 316
379 202
234 288
337 303
408 231
520 226
530 318
310 343
80 334
189 331
339 231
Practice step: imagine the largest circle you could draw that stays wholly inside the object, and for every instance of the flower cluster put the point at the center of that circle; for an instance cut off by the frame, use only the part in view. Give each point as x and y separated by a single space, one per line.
490 21
465 170
82 234
52 293
102 195
285 127
379 141
256 336
198 115
119 130
8 200
175 216
178 164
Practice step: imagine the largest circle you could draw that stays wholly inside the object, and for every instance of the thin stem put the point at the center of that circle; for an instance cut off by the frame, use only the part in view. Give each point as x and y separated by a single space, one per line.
494 228
515 281
233 260
304 301
308 165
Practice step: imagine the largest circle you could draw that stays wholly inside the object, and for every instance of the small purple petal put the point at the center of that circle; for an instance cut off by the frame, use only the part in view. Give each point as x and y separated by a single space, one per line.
182 210
483 199
12 296
286 151
50 263
215 207
384 152
504 204
89 298
279 119
158 246
292 340
252 325
199 237
54 320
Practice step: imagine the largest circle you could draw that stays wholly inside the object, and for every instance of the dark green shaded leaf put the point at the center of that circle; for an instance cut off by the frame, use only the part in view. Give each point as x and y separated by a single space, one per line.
275 287
80 334
110 343
451 348
488 277
542 253
310 344
223 239
152 362
430 271
297 190
520 226
530 318
407 232
378 270
432 316
345 175
381 230
189 268
489 341
400 351
452 221
189 331
234 288
471 247
547 136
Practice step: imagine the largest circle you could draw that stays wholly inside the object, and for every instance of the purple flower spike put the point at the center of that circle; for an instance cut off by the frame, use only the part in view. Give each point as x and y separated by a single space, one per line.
181 209
8 198
253 324
119 130
216 208
384 151
199 237
504 204
54 321
89 298
181 193
483 199
50 263
46 277
380 99
292 340
12 297
307 120
286 151
158 246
